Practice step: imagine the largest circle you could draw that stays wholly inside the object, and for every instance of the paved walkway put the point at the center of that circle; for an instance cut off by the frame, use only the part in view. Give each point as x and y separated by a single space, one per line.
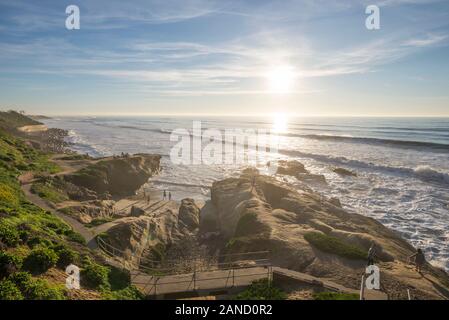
326 284
77 226
206 281
210 281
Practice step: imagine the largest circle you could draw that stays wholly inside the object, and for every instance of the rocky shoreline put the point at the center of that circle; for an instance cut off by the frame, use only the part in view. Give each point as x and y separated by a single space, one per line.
301 229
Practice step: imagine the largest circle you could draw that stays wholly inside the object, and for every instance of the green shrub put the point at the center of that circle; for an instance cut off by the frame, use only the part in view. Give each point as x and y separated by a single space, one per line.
128 293
40 260
75 237
335 246
9 291
22 280
262 290
335 296
66 256
9 263
94 276
36 289
119 278
39 289
38 241
9 235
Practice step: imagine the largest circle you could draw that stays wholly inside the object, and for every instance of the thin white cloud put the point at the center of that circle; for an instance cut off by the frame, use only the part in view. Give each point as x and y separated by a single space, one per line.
186 67
430 40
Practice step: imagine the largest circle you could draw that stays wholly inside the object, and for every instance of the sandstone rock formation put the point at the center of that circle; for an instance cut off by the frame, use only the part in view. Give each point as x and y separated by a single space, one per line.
296 169
167 234
119 177
305 232
344 172
189 214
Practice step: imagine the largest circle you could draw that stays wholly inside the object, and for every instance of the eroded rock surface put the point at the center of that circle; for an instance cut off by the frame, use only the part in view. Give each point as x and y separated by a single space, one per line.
273 216
169 233
296 169
118 176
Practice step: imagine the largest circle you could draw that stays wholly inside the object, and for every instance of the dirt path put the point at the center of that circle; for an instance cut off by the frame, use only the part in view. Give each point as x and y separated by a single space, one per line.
87 234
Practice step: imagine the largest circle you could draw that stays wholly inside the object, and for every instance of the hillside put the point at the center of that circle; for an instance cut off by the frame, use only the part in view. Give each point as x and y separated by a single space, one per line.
36 246
11 120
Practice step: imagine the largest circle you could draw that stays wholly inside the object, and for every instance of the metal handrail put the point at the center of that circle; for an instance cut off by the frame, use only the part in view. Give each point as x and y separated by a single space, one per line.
157 282
111 250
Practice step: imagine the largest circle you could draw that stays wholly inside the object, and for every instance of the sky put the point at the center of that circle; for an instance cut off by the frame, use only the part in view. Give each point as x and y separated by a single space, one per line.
309 57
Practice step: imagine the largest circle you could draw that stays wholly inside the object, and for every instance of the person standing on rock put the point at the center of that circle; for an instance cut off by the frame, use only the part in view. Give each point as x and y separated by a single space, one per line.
165 195
371 254
420 259
253 182
169 196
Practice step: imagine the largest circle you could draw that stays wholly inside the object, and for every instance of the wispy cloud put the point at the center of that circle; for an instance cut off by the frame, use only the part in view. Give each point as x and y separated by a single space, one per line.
429 40
228 65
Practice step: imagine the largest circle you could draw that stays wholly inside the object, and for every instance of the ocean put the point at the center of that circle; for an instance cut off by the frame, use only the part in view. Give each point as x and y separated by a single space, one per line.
402 164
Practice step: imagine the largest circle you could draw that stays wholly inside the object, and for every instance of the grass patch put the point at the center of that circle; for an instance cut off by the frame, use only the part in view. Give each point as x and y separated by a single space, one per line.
335 296
335 245
75 157
48 192
262 290
98 221
249 224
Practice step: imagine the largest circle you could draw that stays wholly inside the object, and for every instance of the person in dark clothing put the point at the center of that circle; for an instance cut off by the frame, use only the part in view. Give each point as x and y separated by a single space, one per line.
371 254
253 182
169 195
420 259
165 195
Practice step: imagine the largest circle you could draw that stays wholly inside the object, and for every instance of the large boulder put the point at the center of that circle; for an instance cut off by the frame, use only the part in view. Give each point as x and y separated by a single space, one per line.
344 172
306 232
296 169
291 168
117 176
189 214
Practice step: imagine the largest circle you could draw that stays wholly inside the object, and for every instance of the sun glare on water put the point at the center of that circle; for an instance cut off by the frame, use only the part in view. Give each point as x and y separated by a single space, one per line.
280 123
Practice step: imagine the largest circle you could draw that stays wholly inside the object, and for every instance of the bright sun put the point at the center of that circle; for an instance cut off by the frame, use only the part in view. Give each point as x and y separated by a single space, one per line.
279 123
281 79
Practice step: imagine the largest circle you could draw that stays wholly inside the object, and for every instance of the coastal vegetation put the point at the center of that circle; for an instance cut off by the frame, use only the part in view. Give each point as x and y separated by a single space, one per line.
47 191
334 245
35 243
10 120
335 296
262 290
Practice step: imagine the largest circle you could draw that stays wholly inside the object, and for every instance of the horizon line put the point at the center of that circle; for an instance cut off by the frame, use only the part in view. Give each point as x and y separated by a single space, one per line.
268 114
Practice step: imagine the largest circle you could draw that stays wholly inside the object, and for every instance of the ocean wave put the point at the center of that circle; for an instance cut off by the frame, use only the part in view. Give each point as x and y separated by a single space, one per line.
427 173
391 142
80 145
424 173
